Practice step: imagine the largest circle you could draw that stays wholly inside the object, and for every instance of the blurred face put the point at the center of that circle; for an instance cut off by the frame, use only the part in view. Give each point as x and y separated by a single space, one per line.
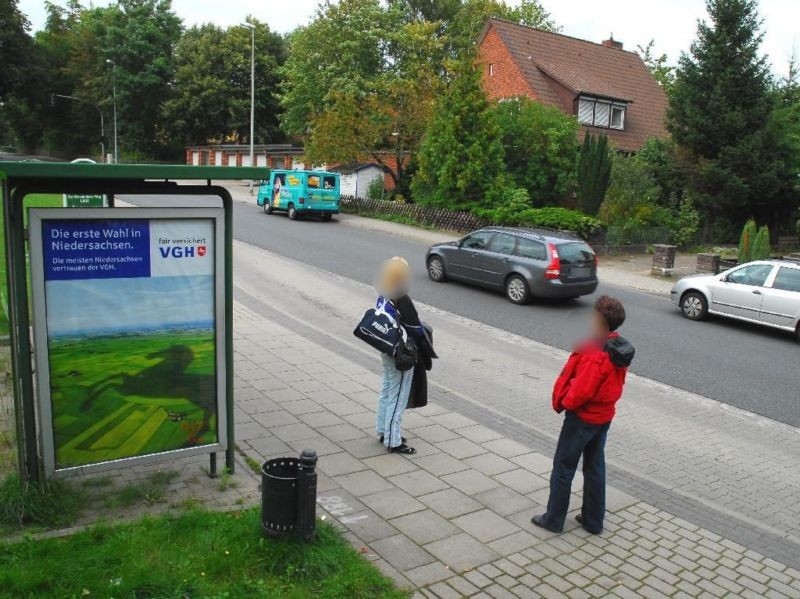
598 325
395 278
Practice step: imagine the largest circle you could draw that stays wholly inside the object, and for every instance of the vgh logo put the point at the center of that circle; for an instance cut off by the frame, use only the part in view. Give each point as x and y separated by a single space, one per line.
182 251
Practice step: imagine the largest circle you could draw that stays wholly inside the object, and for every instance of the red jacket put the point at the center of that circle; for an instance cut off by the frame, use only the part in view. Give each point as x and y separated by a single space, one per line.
591 382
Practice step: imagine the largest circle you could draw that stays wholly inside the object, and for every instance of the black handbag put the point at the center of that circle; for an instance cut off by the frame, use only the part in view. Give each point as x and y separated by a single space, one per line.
405 355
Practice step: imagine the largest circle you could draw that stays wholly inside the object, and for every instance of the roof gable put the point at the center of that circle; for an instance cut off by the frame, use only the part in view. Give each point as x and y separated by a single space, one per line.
548 59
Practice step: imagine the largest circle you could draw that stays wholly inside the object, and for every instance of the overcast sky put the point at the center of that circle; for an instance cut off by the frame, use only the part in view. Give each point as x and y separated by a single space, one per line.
672 23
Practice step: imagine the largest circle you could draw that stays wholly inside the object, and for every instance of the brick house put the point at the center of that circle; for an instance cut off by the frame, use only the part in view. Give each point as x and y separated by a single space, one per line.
608 89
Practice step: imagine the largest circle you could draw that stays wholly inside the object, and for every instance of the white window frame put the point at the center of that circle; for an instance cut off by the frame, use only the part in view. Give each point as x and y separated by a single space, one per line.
611 107
622 109
491 69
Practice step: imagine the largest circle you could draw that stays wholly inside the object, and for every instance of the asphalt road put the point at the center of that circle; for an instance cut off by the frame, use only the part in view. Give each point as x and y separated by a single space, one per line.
746 366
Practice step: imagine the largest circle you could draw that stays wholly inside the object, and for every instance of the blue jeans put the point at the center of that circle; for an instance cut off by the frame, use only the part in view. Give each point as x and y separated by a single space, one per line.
392 402
578 438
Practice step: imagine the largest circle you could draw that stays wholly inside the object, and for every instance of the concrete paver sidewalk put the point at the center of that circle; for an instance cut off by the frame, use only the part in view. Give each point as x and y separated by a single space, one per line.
454 520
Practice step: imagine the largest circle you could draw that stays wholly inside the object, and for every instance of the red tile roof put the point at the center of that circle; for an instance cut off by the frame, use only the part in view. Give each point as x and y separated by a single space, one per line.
549 61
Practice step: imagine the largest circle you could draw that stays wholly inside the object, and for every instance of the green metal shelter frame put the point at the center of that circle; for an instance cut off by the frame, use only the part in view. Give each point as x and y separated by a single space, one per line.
20 179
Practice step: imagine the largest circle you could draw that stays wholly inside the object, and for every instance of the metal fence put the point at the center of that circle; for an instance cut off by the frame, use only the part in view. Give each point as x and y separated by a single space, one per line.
637 235
426 216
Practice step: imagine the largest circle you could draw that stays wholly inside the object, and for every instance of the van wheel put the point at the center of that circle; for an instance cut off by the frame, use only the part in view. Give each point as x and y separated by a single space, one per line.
694 305
436 269
268 207
517 290
327 216
292 212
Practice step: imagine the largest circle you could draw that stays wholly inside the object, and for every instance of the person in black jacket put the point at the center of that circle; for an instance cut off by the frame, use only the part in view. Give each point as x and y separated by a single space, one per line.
393 284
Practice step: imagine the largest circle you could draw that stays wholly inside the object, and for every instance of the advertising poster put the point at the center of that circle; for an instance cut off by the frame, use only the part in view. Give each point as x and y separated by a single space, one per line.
131 336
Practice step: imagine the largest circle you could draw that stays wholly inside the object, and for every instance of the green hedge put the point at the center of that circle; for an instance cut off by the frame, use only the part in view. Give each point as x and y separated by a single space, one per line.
552 217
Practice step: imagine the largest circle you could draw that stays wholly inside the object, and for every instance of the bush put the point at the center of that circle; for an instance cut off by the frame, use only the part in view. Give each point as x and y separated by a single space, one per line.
514 210
686 222
797 227
375 189
761 246
746 241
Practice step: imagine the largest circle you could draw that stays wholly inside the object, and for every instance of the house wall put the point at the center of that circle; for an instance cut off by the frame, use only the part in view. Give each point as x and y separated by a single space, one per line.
507 80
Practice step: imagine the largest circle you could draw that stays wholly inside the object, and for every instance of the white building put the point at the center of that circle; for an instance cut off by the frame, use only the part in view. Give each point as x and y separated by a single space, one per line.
357 177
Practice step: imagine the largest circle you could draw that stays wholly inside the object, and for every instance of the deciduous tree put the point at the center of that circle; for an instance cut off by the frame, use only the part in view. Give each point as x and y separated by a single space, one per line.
461 158
539 147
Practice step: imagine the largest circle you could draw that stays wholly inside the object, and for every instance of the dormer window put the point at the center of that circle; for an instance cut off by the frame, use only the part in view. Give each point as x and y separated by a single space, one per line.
597 112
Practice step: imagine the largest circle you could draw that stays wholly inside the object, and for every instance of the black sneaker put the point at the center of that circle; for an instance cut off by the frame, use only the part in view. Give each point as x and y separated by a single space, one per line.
539 521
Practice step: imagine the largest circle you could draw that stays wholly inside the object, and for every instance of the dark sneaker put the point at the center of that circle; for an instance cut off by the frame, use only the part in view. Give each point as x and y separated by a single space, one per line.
579 520
539 521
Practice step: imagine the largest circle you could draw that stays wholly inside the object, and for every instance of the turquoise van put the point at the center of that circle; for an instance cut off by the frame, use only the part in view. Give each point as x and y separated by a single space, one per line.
301 192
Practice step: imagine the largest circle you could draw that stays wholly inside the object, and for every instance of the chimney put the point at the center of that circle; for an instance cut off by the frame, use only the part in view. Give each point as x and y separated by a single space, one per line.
612 43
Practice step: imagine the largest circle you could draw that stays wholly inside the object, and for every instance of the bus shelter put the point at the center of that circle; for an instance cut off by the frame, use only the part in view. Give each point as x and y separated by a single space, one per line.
120 316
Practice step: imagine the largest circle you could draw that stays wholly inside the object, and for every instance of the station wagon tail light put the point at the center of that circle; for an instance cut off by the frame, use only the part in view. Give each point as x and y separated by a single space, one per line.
554 268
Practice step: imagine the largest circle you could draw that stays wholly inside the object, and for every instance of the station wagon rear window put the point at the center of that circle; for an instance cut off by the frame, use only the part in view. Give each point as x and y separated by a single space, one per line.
570 253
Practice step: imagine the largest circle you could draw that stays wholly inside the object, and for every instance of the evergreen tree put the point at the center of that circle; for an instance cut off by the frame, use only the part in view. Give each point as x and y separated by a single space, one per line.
461 157
594 172
761 245
720 107
746 241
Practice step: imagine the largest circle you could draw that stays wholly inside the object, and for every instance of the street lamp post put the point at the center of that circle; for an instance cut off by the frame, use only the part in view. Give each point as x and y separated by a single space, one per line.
252 29
114 72
97 108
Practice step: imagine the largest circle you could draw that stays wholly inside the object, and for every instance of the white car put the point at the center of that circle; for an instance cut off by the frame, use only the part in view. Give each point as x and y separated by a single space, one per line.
765 292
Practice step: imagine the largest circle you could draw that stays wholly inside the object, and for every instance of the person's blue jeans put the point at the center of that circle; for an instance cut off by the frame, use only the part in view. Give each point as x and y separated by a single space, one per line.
578 438
392 402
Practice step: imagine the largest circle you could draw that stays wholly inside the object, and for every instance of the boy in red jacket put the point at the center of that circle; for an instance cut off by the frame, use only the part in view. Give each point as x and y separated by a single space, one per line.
588 389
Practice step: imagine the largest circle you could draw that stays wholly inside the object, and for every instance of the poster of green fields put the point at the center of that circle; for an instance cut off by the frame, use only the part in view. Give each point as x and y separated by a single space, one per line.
132 351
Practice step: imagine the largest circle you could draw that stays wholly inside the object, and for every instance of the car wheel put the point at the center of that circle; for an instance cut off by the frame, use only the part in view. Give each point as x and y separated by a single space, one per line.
268 207
327 216
517 290
436 269
797 332
292 212
694 305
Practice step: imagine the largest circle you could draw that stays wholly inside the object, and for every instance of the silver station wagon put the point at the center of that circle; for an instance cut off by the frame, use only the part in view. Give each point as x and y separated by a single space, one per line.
525 263
765 292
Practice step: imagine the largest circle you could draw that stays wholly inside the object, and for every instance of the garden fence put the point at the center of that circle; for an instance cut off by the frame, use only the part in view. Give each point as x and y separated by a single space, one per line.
427 216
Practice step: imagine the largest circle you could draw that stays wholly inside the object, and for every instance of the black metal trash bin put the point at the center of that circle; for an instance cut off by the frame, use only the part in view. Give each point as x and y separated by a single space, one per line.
289 495
279 496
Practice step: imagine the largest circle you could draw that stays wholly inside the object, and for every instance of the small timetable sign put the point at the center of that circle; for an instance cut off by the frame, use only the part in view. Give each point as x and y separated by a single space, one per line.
85 201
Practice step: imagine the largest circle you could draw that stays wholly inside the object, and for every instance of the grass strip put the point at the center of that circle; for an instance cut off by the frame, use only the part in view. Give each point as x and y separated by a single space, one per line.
194 554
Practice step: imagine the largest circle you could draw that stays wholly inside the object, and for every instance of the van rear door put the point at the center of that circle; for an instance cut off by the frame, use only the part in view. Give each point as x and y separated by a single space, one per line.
326 194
